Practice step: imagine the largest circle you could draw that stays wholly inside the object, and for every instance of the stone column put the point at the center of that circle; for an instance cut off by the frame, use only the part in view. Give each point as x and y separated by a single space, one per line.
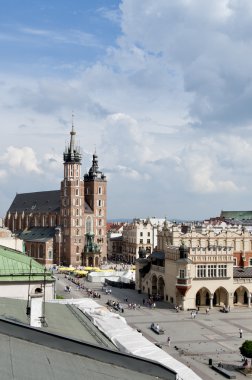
211 301
249 299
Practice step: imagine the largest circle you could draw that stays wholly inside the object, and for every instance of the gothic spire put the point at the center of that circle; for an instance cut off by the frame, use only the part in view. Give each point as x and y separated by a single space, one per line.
72 152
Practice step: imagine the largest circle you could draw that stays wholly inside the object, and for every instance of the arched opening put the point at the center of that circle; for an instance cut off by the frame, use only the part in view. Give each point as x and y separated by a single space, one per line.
90 261
154 285
38 290
202 297
97 261
160 288
241 296
220 297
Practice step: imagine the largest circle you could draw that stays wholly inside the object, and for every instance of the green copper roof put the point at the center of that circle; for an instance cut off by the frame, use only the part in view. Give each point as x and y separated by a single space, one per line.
15 266
236 214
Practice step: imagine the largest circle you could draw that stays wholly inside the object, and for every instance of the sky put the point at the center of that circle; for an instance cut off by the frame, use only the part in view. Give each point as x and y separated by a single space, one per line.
161 90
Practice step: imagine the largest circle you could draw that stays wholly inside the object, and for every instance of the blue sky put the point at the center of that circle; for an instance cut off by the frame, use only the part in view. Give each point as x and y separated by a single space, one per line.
161 89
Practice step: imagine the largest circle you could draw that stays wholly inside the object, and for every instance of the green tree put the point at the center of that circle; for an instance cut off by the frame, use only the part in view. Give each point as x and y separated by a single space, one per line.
246 351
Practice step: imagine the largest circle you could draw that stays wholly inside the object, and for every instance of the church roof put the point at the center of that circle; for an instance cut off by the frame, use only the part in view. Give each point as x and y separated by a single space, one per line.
16 266
38 234
42 201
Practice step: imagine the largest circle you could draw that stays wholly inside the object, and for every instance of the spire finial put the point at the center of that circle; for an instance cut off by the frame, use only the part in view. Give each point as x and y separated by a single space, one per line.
72 120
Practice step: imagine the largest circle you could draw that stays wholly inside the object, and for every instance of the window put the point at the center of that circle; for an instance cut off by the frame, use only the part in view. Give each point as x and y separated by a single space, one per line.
41 251
141 241
212 270
141 234
235 262
222 270
99 203
201 271
76 191
99 190
77 211
181 273
148 241
89 225
50 255
250 261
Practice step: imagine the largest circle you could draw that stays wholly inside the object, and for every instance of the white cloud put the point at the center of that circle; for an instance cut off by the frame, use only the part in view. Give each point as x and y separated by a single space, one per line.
169 105
20 159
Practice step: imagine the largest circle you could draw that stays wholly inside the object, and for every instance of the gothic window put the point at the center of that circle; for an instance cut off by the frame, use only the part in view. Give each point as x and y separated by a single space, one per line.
76 191
89 227
41 251
99 190
77 222
77 211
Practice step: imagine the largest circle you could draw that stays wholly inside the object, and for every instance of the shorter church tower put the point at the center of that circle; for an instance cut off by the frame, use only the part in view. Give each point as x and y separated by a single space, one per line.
72 206
95 184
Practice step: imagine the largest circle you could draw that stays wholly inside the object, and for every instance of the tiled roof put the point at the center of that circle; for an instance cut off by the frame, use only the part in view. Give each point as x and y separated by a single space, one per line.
38 234
43 201
242 272
15 266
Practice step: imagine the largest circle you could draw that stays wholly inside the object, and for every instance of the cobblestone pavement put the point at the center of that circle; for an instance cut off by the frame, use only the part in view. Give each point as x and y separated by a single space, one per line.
193 341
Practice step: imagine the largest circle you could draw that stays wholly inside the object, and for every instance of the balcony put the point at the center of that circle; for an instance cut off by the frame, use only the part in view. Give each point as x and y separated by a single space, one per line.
186 281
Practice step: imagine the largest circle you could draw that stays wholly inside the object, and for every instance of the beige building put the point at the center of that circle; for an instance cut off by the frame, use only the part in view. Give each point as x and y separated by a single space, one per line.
138 238
199 265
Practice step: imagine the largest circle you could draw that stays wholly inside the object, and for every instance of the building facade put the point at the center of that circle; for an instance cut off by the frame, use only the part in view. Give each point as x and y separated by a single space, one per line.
199 265
66 226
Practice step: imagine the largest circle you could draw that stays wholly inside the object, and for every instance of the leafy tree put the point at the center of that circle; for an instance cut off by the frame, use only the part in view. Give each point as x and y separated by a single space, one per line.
246 350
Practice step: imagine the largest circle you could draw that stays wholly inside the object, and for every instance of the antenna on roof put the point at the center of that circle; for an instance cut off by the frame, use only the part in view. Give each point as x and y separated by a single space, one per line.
28 305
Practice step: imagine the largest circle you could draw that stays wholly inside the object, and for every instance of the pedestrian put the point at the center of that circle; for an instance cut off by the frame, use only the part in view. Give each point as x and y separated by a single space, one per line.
169 341
240 332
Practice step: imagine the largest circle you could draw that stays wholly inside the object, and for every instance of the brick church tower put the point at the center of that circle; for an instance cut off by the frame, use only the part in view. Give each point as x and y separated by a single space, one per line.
96 197
72 205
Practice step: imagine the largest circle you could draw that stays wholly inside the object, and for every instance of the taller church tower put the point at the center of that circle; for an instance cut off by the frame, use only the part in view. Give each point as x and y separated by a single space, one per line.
72 206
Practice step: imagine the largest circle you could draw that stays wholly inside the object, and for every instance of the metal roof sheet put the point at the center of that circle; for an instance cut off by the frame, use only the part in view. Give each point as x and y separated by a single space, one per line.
16 266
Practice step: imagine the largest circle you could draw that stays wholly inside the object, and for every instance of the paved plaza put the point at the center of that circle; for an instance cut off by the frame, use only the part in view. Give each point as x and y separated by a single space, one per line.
193 341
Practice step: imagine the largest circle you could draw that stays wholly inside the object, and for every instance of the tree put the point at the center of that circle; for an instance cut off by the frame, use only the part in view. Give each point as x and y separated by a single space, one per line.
246 351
